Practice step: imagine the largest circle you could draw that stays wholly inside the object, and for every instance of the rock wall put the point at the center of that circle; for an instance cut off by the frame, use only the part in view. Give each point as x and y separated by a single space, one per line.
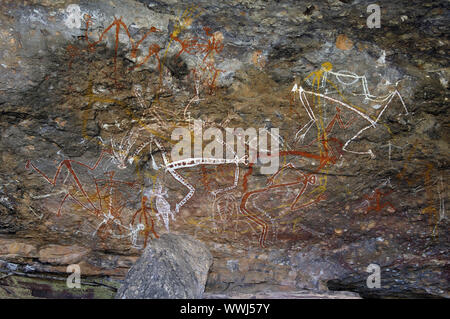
91 92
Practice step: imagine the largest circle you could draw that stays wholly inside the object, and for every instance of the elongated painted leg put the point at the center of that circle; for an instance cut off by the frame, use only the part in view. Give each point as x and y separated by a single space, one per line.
191 188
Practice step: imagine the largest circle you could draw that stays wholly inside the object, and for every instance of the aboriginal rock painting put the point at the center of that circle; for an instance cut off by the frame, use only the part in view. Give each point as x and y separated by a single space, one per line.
135 190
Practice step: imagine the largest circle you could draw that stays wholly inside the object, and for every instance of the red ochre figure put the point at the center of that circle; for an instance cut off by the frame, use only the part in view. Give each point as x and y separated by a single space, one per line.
144 211
303 179
119 24
68 164
379 205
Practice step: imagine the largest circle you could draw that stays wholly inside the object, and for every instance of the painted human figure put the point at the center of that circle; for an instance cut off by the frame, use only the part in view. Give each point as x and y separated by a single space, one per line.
379 204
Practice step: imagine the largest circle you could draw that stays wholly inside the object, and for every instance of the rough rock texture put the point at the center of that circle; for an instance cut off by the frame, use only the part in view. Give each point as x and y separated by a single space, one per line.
173 266
365 176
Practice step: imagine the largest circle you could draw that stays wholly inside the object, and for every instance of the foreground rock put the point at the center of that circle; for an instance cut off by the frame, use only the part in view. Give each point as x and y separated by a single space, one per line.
173 266
300 294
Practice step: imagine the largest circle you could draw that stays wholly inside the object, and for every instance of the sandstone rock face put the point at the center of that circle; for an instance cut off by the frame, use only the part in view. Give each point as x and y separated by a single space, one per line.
87 120
13 248
173 266
343 42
